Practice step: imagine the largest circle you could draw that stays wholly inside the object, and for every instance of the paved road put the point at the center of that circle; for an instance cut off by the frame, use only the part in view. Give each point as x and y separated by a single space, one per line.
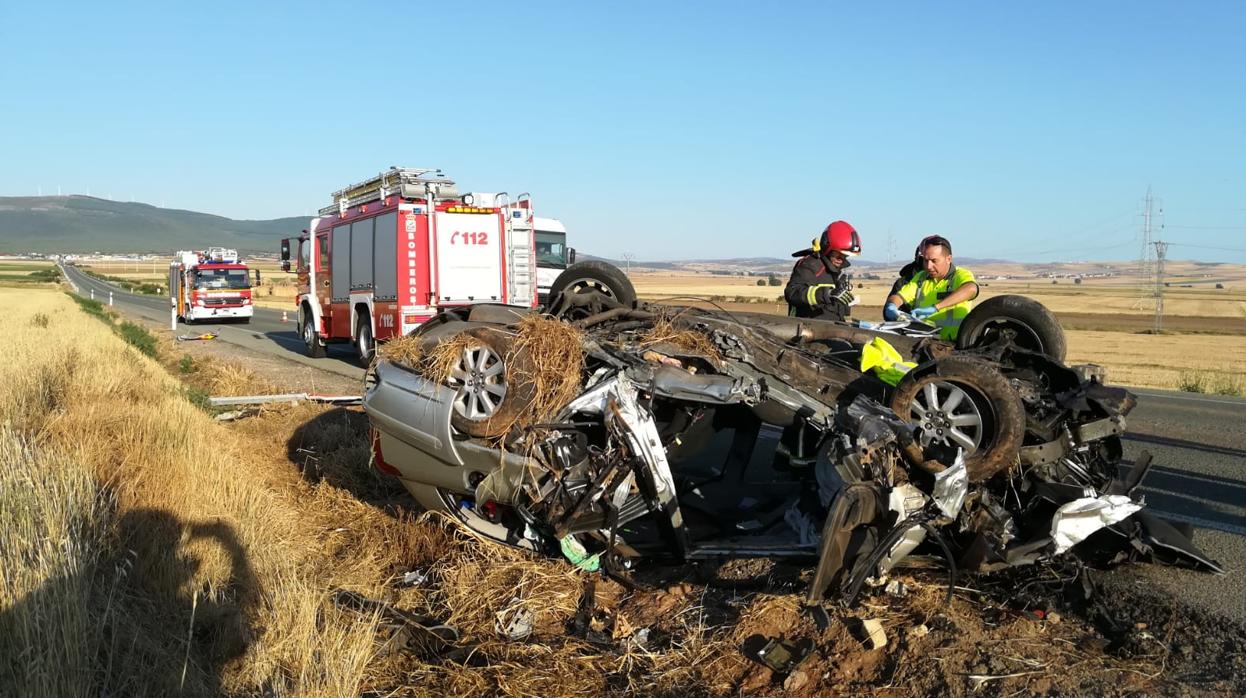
1198 476
266 332
1198 441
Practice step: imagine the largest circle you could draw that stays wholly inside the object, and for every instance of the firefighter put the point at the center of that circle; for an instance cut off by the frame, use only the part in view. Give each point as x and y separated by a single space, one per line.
819 287
941 293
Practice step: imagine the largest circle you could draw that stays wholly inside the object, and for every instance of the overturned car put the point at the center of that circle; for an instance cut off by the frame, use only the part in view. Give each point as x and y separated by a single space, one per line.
613 433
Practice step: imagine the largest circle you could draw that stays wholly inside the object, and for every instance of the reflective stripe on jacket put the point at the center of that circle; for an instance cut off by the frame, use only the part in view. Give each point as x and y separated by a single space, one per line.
924 291
809 275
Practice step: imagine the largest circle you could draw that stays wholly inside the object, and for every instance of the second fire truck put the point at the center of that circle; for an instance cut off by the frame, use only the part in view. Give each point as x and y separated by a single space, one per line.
210 285
392 250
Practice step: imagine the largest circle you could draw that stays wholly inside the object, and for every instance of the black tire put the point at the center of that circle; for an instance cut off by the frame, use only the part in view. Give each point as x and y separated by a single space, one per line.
1000 427
310 337
489 396
604 278
1034 326
365 342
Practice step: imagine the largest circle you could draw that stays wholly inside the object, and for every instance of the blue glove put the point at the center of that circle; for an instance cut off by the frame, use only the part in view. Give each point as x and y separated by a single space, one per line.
891 311
924 312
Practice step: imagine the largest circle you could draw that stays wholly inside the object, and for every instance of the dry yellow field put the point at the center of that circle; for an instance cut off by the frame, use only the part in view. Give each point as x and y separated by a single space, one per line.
1141 360
1162 361
1089 297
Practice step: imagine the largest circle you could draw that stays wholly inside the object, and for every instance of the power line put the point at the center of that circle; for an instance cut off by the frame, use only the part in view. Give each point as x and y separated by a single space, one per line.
1206 247
1161 249
1067 250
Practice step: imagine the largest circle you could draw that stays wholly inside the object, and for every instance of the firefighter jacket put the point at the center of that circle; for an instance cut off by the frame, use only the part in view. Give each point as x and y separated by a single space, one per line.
813 279
923 291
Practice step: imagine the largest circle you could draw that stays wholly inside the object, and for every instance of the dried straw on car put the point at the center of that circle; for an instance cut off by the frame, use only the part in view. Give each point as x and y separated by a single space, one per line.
439 362
555 364
664 331
545 353
407 350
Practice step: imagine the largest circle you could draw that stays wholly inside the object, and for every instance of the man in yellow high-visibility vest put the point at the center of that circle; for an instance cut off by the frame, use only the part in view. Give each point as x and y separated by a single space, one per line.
941 294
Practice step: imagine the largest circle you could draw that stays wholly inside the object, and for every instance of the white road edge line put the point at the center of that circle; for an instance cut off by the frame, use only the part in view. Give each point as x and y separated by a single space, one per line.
1201 522
1164 396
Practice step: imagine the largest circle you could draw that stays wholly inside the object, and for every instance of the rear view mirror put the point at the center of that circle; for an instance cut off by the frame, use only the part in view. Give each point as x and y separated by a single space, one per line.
285 254
285 265
570 255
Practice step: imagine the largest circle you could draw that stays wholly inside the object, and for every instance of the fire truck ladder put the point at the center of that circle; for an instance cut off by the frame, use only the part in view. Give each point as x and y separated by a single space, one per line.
519 240
407 182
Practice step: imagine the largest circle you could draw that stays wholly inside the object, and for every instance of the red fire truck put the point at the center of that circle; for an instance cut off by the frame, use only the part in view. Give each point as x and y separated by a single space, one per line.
392 250
210 285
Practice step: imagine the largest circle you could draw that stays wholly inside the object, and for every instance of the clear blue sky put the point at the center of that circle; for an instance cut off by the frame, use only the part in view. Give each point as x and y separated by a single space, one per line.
666 130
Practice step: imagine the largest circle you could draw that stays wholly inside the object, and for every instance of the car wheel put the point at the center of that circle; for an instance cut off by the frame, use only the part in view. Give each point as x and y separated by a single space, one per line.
365 346
310 337
957 402
1032 325
488 397
604 279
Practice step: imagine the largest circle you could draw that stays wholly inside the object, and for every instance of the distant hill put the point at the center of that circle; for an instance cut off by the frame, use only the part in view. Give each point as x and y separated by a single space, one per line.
57 224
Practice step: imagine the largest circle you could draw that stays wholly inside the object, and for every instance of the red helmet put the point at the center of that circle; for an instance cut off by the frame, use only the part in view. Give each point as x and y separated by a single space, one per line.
839 236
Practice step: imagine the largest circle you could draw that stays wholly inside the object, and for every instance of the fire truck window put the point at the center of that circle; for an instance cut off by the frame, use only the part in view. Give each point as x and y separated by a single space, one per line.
324 253
222 278
551 248
304 254
384 268
340 263
361 254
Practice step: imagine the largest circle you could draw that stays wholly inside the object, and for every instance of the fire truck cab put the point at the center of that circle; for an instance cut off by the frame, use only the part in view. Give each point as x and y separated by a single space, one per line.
552 254
210 285
393 250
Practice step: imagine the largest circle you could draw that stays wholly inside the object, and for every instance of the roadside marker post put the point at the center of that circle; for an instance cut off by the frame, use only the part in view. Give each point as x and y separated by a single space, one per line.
92 294
283 317
110 299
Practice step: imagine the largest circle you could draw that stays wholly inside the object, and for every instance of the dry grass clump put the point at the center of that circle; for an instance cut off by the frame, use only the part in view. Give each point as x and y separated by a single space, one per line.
407 350
481 580
1210 382
217 377
440 361
664 331
544 360
51 542
201 549
554 364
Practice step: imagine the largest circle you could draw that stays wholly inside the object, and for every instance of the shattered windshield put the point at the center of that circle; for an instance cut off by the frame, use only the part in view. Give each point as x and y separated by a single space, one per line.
222 279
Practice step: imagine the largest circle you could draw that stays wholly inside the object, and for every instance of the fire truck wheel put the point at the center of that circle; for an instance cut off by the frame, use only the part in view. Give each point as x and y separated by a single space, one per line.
491 393
594 277
314 348
365 346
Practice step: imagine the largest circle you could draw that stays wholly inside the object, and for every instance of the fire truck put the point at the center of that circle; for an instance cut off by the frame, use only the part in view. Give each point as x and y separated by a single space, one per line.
549 235
210 285
552 254
394 249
